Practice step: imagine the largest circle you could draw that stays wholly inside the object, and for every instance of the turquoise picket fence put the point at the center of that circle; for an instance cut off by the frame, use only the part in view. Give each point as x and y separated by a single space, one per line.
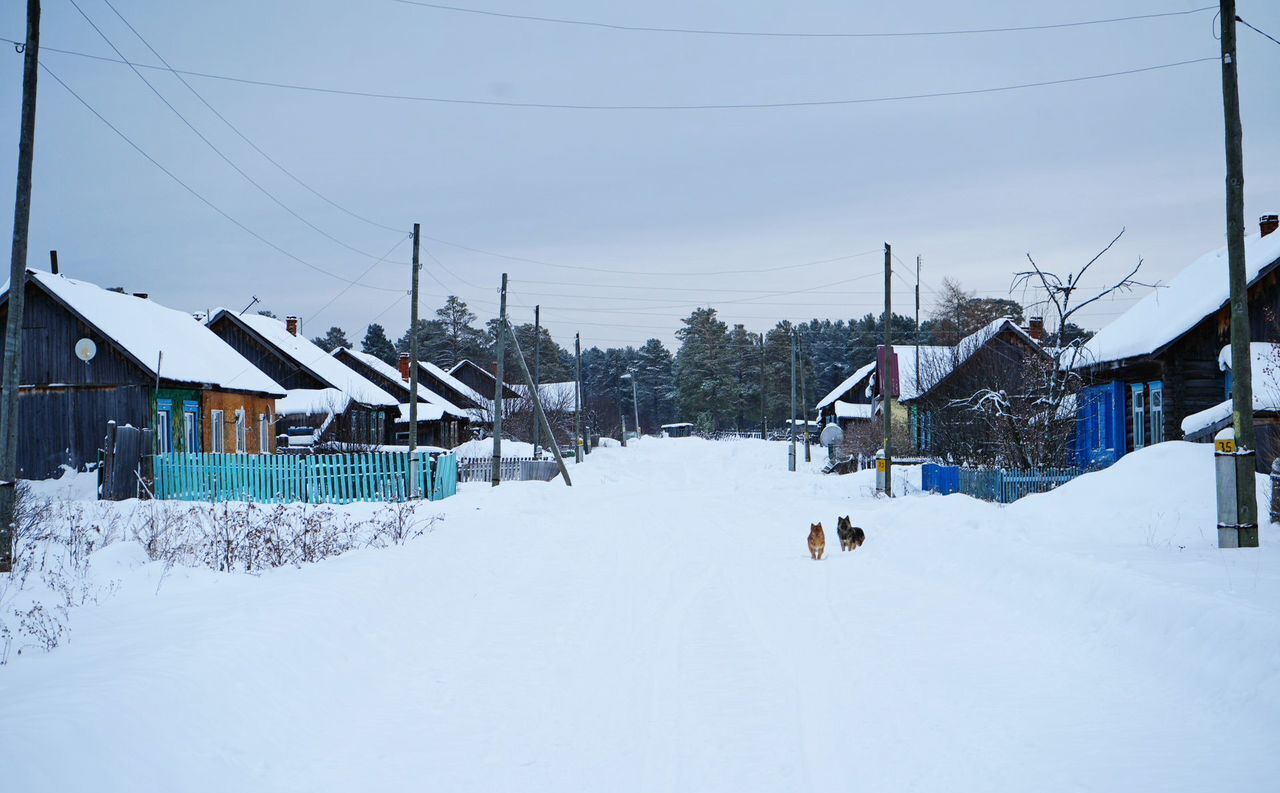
314 479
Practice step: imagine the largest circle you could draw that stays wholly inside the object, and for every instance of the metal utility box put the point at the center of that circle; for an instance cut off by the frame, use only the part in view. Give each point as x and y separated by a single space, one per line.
881 470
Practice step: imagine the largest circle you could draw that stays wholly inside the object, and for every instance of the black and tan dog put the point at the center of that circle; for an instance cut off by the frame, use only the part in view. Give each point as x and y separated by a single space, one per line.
851 537
817 541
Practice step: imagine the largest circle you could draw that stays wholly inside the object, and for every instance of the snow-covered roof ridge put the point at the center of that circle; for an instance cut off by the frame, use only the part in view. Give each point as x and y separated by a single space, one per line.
387 370
306 354
1163 316
453 382
158 337
849 382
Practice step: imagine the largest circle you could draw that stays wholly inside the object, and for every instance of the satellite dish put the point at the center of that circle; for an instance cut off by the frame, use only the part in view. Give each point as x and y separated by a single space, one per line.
86 349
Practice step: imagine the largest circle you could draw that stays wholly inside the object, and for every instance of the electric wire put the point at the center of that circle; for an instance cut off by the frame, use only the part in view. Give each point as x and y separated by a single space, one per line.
629 107
785 34
201 197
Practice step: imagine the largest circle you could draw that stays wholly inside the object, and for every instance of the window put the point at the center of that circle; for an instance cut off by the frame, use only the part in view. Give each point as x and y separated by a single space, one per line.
217 432
1139 414
164 426
1155 405
191 426
242 435
264 433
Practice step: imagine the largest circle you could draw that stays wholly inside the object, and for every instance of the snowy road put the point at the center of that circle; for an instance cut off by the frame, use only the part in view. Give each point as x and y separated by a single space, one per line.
660 627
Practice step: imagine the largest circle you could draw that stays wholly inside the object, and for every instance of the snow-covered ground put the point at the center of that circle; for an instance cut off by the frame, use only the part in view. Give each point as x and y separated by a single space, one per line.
660 627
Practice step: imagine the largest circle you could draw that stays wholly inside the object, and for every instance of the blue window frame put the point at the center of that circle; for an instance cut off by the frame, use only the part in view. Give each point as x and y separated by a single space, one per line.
191 426
1155 411
164 426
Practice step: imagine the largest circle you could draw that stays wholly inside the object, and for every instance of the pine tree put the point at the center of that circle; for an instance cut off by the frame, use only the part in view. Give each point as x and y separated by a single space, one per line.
378 345
655 384
334 338
460 339
705 384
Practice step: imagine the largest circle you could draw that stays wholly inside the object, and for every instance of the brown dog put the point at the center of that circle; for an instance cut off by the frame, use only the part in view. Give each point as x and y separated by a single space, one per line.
817 541
851 537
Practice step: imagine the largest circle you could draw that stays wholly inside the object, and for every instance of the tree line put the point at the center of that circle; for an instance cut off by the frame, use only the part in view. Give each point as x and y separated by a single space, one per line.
720 377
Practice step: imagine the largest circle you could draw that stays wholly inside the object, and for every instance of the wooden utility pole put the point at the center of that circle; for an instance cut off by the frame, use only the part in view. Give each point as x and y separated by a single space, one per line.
1241 368
537 374
764 422
540 415
577 398
496 477
17 291
413 370
886 375
791 452
804 403
917 320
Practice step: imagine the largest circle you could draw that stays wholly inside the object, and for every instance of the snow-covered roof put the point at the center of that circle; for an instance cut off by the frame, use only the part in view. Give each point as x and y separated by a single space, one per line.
310 401
456 384
147 331
677 424
315 360
849 382
1167 313
852 410
426 412
935 362
424 394
1265 363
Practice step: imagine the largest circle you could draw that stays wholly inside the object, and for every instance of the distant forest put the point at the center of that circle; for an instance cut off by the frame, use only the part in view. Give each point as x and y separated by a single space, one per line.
714 378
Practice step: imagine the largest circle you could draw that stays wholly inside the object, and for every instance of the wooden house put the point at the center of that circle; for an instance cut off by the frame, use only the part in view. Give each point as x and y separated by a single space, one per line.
480 385
1264 362
440 421
680 429
850 402
1157 363
326 401
92 355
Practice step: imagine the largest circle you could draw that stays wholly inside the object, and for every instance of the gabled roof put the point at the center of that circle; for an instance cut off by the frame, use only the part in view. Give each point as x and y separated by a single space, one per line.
489 376
464 390
387 370
161 341
932 359
940 365
301 352
849 382
1165 315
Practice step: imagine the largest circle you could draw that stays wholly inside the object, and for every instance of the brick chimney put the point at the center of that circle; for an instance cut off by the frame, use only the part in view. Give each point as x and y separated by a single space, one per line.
404 366
1035 328
1269 223
291 325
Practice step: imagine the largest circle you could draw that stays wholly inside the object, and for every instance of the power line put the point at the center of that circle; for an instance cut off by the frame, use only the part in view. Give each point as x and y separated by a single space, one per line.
781 34
570 106
210 143
1255 30
243 136
204 200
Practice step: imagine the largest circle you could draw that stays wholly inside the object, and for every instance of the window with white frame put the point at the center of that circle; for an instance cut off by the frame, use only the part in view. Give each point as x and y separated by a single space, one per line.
242 432
191 426
217 432
1139 414
264 433
1155 407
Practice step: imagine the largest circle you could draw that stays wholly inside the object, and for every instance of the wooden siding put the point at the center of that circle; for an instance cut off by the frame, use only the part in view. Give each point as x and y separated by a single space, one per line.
66 425
283 370
229 403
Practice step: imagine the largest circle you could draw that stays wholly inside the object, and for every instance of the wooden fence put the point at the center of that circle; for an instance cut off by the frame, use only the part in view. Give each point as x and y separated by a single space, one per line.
1002 485
314 479
512 469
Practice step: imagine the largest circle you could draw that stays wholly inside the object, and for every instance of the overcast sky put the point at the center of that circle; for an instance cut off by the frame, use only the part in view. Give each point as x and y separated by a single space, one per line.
970 183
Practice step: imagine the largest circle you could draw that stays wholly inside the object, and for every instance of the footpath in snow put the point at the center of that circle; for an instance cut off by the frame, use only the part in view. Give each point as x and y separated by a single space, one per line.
660 627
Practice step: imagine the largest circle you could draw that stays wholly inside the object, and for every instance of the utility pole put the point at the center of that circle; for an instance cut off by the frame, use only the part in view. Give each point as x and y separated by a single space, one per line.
539 414
764 422
917 321
17 291
635 400
622 416
496 478
577 397
886 376
1241 369
804 405
537 375
413 370
791 452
